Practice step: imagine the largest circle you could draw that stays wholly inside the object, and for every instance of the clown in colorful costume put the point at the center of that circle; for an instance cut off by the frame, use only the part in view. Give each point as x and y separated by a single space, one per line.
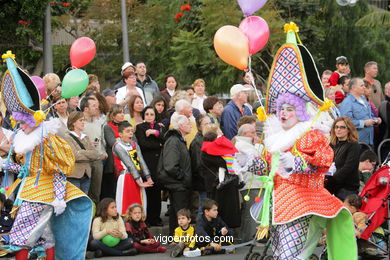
50 211
302 207
299 156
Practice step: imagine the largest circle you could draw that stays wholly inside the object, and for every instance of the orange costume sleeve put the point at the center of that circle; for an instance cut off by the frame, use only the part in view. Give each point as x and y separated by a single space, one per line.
314 148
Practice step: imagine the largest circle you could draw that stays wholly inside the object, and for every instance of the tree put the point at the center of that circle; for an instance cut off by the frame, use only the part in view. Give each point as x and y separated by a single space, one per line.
21 24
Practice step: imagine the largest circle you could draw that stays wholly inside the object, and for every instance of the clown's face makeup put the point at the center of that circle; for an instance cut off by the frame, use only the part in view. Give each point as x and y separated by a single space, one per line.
288 116
25 127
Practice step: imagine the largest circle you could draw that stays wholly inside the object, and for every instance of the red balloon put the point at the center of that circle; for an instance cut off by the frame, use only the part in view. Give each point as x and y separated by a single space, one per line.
257 31
82 52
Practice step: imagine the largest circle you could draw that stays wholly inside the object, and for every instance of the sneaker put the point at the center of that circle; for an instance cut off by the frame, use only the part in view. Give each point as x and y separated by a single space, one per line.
130 252
193 253
230 250
207 250
98 253
177 250
90 255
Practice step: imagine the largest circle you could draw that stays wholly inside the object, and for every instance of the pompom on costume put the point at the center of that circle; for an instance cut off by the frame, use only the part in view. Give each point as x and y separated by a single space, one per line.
50 212
298 157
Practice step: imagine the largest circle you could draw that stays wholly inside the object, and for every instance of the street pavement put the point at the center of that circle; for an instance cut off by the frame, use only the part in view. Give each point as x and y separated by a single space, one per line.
239 255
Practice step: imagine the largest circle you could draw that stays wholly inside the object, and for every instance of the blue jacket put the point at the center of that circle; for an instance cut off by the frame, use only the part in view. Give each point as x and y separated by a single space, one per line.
230 116
359 113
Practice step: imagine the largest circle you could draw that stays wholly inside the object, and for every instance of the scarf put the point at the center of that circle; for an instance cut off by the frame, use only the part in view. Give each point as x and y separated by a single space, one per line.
221 147
117 162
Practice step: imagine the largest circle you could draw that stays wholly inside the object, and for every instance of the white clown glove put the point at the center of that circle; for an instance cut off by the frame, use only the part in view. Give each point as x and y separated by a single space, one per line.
286 165
332 170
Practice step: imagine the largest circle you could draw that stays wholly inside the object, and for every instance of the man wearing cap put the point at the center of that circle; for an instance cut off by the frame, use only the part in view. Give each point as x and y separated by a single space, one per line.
146 83
109 94
234 110
128 77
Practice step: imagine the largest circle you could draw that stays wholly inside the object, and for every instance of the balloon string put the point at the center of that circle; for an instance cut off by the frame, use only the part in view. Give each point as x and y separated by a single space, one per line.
258 93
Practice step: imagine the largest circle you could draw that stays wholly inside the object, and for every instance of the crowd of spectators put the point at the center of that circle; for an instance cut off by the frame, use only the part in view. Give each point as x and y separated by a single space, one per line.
185 137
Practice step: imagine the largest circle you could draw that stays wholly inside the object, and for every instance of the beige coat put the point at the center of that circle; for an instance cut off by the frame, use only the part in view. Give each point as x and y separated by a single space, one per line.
83 157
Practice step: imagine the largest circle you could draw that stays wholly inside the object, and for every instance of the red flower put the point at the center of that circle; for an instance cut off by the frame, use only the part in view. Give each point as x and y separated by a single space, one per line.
186 7
179 15
23 22
52 2
66 4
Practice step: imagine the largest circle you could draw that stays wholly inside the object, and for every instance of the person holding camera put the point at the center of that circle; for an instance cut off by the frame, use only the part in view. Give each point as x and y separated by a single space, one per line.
356 107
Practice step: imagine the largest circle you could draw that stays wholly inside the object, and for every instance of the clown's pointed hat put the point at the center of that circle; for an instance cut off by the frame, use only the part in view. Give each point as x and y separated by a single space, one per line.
18 91
293 71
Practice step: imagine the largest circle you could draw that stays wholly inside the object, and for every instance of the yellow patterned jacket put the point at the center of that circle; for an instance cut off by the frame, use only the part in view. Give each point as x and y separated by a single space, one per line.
57 154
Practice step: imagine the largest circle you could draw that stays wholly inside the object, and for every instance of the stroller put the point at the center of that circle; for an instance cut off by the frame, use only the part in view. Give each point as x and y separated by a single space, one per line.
375 203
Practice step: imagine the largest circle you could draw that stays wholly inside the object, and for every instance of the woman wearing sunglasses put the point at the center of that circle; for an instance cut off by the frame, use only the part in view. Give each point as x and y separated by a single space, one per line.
344 178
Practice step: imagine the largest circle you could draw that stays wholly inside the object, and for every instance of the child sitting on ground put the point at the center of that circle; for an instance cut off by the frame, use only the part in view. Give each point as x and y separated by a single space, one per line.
210 230
109 233
353 202
184 235
138 231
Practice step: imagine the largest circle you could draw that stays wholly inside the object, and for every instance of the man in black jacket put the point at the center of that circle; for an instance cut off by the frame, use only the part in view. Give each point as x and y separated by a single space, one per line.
175 168
198 194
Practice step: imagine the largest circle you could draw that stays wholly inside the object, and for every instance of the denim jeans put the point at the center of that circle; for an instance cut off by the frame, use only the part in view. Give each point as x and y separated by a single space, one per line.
83 183
202 197
117 250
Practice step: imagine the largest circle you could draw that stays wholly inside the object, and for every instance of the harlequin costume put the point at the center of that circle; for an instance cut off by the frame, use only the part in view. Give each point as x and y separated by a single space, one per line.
127 190
300 205
50 211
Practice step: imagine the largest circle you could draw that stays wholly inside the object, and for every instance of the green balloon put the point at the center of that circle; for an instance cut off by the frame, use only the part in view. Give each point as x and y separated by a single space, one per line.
74 83
110 241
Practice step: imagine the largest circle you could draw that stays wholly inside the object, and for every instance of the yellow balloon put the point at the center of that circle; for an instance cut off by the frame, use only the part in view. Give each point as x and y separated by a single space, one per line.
232 46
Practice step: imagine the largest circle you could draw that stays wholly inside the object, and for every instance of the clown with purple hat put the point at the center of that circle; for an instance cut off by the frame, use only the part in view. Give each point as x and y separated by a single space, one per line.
52 216
294 206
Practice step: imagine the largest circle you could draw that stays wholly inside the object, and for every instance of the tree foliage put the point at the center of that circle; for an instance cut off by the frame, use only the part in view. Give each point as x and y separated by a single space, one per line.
177 36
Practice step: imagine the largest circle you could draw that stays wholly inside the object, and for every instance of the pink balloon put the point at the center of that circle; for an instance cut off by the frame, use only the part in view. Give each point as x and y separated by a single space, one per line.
40 84
256 30
82 52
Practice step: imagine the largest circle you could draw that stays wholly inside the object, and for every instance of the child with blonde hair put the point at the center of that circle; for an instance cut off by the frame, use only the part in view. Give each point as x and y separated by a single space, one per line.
138 231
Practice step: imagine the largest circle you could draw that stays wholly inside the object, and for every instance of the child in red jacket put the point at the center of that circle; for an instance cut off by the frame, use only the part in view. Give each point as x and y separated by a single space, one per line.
138 231
341 69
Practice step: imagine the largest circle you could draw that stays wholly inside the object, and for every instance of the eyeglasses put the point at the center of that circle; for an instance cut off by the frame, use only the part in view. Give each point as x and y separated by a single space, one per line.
340 127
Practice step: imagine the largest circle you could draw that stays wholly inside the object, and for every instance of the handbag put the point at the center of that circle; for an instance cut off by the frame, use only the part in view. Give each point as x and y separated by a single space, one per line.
227 181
